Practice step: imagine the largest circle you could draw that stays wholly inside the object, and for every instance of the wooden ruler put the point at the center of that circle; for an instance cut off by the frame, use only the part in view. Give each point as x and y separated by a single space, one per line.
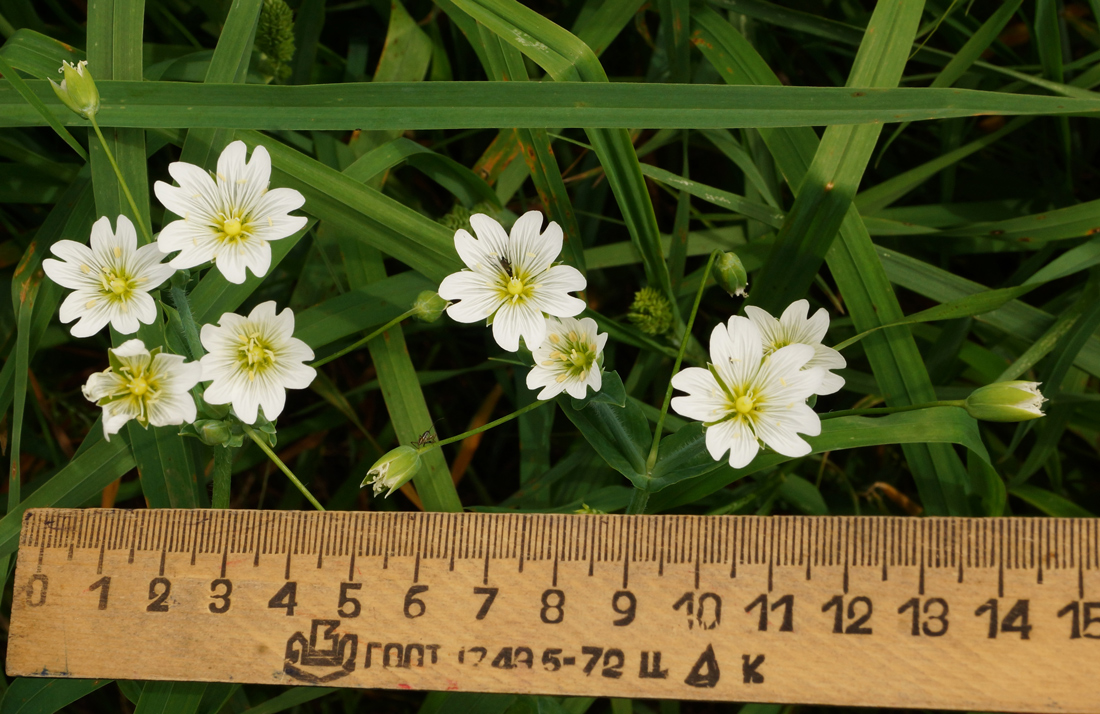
973 614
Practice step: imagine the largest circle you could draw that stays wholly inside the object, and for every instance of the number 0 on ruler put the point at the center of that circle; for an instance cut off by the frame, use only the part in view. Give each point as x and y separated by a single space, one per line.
990 614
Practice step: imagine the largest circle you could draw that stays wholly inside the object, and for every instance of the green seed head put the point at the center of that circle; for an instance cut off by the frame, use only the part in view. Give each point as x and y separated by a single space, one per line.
731 275
651 313
77 90
429 306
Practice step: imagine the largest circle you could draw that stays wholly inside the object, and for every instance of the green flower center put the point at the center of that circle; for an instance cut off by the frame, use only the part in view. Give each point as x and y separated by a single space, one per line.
140 388
117 285
255 355
574 353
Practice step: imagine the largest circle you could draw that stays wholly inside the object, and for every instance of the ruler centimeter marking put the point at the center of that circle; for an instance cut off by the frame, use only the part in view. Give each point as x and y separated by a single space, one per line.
974 614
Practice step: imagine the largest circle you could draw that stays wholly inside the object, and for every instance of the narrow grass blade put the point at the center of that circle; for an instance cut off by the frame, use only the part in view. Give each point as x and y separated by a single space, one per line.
897 364
229 64
841 158
170 698
1049 503
944 425
97 464
46 696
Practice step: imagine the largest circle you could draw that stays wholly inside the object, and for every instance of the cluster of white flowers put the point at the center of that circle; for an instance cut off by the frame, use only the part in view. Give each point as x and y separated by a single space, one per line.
754 390
753 393
512 282
228 219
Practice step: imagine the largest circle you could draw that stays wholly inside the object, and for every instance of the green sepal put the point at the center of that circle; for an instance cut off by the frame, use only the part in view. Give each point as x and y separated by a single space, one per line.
611 392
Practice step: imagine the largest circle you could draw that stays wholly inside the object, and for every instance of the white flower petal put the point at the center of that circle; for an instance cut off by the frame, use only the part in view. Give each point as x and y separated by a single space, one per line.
491 235
476 300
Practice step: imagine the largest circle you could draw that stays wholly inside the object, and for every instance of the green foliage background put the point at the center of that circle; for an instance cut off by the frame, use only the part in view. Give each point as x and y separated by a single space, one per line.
925 166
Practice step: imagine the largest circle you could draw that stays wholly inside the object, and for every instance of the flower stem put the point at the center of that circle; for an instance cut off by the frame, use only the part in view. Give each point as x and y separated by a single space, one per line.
638 501
365 340
282 467
652 460
892 410
223 471
484 427
187 318
122 182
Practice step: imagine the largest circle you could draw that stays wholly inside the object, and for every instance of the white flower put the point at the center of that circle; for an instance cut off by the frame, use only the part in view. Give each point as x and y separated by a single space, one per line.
795 328
745 398
568 360
253 360
229 218
110 280
512 279
151 387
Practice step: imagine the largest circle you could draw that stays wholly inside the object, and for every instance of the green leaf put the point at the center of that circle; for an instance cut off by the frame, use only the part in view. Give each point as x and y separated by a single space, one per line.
46 696
467 105
832 179
803 495
988 485
619 434
1049 503
229 63
464 184
407 51
170 698
290 699
39 55
946 425
97 464
976 304
359 309
611 392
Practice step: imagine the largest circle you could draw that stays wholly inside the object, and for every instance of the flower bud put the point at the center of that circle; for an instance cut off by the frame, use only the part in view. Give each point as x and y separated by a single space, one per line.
1006 401
77 90
212 431
730 273
650 312
393 470
429 306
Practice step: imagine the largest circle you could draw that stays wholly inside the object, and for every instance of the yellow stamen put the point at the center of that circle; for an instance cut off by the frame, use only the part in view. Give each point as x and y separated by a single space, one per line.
118 252
85 269
118 286
138 386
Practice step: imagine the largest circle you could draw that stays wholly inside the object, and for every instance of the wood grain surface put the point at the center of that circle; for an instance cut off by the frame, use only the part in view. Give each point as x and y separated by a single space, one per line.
973 614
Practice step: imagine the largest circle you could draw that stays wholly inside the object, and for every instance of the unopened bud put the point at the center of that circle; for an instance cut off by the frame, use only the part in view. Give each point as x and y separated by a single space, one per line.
77 90
212 431
393 470
1006 401
651 312
429 306
730 274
